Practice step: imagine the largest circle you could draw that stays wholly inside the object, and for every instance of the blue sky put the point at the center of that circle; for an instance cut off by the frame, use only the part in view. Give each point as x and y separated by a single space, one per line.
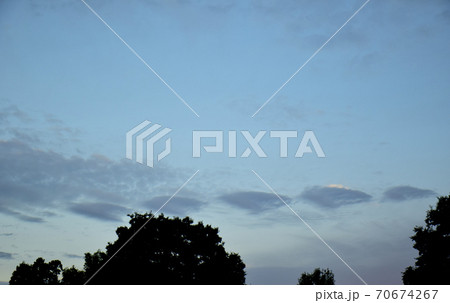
376 97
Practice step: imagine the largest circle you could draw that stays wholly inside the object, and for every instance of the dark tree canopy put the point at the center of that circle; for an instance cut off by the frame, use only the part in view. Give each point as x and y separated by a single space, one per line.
433 244
37 273
164 251
167 251
317 277
73 276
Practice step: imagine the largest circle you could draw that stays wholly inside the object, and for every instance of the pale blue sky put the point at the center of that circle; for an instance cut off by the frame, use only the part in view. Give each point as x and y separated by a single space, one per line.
376 96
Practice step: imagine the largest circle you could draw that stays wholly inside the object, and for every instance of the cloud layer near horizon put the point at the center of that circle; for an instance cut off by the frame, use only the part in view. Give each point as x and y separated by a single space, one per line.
37 183
334 196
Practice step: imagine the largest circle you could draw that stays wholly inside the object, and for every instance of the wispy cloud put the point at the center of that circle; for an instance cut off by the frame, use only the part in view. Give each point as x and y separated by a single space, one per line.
101 211
44 131
37 183
34 181
333 196
5 255
402 193
253 201
73 256
12 112
20 215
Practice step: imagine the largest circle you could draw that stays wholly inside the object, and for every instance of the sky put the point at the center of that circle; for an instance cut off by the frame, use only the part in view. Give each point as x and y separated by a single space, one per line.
376 97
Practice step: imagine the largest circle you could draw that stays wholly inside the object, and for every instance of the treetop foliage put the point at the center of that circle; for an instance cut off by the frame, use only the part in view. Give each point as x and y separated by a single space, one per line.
432 241
163 251
317 277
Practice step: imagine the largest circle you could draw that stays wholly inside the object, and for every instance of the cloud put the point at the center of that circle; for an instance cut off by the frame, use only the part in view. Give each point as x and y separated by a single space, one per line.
34 182
19 215
48 130
334 196
37 183
4 255
402 193
73 256
6 234
177 205
101 211
254 201
12 112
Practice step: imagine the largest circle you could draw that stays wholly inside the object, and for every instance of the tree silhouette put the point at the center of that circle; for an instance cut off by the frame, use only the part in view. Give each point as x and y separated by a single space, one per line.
317 277
164 251
432 266
73 276
37 273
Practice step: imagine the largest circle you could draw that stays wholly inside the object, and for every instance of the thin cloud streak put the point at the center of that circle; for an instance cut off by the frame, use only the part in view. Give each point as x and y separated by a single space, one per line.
402 193
101 211
73 256
253 201
5 255
334 196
